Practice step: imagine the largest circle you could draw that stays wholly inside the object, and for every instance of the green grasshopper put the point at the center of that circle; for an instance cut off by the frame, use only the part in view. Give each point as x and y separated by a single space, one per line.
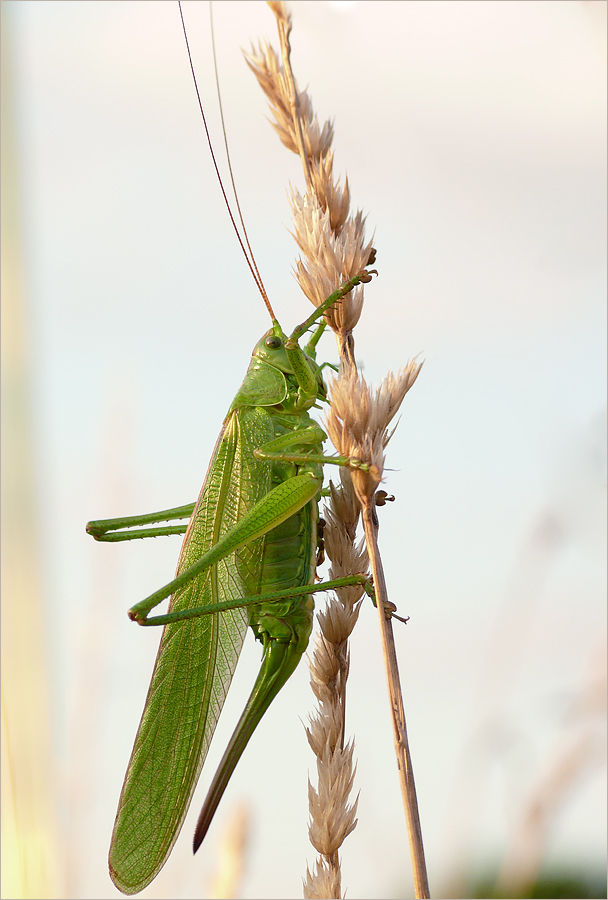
248 557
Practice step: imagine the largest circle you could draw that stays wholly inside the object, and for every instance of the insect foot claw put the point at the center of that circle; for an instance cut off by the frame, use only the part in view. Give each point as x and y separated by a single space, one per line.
365 275
94 530
355 463
390 611
381 498
136 616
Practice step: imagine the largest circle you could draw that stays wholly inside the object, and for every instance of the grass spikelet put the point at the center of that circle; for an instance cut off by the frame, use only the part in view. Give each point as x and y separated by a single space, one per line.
323 882
358 420
266 66
330 258
332 817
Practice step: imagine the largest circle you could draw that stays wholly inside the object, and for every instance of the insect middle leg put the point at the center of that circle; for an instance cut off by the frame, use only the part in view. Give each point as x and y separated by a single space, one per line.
112 530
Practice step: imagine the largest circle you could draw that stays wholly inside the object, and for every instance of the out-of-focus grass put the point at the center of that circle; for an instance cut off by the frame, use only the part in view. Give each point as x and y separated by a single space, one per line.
29 841
552 883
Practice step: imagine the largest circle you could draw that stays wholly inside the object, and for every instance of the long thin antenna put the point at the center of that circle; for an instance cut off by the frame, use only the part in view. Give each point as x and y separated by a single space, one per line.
226 147
250 262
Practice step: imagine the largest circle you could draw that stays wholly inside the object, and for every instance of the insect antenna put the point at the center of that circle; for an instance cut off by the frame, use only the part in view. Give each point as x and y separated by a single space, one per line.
245 245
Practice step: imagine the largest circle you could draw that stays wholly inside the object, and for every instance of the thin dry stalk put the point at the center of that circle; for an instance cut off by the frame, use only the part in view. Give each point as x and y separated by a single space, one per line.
357 424
334 249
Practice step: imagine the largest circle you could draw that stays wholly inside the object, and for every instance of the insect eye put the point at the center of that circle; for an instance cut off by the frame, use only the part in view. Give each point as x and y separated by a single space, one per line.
273 343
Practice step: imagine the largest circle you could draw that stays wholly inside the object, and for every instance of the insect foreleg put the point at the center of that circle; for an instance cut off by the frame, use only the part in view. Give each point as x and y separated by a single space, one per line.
311 347
363 277
302 371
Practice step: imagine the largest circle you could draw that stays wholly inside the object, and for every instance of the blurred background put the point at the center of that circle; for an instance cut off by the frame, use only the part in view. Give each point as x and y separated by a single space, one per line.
474 138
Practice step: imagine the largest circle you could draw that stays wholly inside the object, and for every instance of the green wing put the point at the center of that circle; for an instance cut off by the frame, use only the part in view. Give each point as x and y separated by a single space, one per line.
195 662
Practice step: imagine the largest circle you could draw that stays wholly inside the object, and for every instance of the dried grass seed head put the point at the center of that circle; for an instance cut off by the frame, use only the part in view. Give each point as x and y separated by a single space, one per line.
333 244
342 254
343 504
324 882
358 419
325 664
337 622
329 258
332 818
332 196
267 68
326 725
282 13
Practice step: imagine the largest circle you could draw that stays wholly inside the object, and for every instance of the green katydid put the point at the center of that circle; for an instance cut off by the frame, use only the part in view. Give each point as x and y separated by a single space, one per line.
248 558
